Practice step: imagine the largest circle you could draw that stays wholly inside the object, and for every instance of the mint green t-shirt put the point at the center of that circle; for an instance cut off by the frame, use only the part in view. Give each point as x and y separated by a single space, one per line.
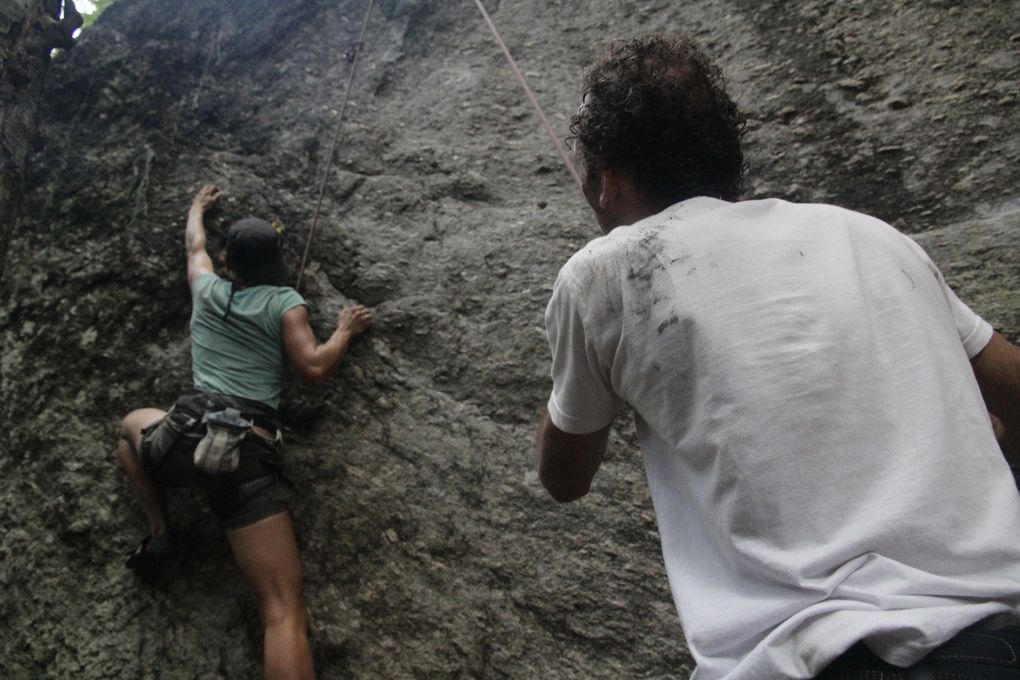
239 353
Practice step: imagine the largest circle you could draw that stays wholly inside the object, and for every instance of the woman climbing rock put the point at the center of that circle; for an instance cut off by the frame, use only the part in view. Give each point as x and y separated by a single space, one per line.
223 435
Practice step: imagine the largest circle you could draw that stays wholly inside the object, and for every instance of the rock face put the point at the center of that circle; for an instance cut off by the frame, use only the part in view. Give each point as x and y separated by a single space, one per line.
28 32
429 547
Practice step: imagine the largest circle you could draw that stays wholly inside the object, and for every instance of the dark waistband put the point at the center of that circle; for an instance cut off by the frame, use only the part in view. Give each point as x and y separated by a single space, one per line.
200 401
990 641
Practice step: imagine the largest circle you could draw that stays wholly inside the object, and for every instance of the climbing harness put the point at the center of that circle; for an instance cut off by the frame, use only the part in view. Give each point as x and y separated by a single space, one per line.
531 95
352 56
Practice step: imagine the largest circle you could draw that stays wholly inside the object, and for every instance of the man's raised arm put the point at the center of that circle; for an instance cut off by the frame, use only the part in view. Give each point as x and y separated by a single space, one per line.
194 233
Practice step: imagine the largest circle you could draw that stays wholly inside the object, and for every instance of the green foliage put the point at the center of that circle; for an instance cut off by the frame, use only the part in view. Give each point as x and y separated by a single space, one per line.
100 6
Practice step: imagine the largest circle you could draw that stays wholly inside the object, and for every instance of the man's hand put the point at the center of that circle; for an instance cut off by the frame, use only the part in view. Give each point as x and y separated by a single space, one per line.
355 320
206 198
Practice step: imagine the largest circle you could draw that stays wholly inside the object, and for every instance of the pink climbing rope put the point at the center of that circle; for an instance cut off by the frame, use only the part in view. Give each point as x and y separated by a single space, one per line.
531 95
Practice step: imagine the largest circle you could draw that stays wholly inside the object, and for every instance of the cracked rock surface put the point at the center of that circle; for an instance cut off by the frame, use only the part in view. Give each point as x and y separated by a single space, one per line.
429 547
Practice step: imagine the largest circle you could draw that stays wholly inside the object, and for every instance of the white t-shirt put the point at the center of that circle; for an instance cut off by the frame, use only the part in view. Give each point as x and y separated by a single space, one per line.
821 463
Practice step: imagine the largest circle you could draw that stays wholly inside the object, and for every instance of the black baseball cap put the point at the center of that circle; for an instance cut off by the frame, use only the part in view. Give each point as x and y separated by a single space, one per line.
253 250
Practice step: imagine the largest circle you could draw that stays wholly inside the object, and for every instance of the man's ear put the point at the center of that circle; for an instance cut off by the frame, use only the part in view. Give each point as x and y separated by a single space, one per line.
609 188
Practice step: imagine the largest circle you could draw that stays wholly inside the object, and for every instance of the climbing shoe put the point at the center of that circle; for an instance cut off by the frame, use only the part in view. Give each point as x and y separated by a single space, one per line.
153 552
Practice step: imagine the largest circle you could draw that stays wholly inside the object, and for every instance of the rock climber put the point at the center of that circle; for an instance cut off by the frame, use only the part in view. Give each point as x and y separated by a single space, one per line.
811 399
223 435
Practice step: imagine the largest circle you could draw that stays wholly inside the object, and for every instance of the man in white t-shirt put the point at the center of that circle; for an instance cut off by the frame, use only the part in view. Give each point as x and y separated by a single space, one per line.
811 399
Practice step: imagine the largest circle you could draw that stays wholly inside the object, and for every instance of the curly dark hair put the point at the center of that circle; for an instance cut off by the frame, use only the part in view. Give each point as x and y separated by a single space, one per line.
656 110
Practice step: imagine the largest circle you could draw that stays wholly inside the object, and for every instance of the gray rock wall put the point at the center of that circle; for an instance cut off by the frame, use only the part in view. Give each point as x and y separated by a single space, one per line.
430 548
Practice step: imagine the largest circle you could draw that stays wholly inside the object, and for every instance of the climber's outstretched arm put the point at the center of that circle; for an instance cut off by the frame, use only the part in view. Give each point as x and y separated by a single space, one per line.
314 363
194 233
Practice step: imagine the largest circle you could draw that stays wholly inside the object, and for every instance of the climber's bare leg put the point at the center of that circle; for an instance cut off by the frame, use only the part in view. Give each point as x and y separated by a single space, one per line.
151 496
267 555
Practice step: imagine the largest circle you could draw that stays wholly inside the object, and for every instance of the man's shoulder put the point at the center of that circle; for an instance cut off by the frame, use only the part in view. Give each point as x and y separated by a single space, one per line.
596 260
769 209
790 217
772 208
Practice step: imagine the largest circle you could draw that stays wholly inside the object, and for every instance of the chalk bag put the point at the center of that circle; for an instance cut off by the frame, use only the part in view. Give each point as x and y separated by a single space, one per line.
220 449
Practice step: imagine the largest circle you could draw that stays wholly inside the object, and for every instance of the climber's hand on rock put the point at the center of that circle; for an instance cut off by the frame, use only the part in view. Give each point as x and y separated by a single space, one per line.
206 197
355 320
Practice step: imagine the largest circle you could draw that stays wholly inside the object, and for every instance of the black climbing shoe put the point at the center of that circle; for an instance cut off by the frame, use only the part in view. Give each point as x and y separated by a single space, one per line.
152 552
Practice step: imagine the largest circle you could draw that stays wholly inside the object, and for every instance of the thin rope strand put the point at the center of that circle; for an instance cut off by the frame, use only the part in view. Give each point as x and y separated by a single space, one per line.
332 148
531 95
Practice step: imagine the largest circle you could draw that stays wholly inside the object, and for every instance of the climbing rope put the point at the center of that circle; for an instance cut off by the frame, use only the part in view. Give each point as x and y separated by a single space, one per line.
531 95
352 55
